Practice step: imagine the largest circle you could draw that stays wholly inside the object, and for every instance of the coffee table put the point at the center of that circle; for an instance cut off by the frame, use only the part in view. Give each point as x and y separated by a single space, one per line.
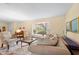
28 41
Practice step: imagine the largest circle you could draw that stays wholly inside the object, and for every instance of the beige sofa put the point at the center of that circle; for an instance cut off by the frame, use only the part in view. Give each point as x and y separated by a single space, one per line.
59 49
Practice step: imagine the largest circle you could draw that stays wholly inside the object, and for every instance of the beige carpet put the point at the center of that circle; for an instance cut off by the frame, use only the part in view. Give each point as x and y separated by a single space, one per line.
16 50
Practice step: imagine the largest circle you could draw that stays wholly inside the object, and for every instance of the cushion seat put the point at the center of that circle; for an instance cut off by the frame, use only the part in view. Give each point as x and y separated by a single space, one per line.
59 49
48 50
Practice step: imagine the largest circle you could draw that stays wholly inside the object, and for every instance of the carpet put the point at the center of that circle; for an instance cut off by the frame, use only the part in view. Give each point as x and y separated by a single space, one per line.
16 50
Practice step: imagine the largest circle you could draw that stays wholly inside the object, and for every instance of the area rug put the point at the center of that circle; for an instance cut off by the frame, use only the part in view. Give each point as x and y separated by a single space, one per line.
16 50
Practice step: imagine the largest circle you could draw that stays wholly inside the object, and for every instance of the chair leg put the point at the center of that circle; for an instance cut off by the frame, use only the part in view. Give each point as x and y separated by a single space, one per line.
2 46
8 47
17 42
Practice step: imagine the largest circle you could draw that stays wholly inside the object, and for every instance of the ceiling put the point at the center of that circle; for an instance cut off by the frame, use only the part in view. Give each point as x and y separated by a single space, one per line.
29 11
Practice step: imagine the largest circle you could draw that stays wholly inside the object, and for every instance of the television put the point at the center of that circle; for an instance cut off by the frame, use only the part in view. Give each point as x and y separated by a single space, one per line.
74 25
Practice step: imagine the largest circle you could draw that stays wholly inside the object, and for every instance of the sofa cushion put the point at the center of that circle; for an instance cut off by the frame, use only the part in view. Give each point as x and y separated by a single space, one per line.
48 50
51 41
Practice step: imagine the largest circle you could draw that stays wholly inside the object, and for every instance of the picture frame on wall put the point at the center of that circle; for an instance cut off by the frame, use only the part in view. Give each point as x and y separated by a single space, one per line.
75 25
40 28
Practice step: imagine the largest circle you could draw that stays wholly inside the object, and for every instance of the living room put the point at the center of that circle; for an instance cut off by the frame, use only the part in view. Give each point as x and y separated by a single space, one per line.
38 29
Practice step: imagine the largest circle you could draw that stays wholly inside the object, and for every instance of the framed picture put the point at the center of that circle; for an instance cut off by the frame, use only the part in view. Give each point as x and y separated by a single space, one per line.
40 28
75 25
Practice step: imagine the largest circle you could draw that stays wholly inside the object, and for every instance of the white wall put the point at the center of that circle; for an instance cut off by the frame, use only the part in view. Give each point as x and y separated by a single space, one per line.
72 13
55 24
